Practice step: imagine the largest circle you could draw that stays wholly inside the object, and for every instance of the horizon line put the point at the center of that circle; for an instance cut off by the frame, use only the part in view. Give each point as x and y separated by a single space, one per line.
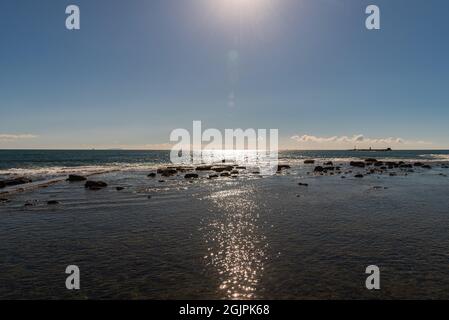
285 149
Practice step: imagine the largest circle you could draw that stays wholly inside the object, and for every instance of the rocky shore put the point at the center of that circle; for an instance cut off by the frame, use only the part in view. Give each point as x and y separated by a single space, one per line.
357 169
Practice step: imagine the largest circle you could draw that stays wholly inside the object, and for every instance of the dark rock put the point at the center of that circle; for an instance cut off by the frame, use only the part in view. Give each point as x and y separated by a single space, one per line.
318 169
358 176
391 164
152 175
4 200
309 162
213 176
191 176
283 167
52 202
393 174
2 184
149 197
256 172
359 164
240 168
329 163
378 164
371 160
426 167
222 168
328 169
418 164
203 168
95 185
235 172
76 178
167 172
225 174
183 169
161 181
303 184
119 188
404 165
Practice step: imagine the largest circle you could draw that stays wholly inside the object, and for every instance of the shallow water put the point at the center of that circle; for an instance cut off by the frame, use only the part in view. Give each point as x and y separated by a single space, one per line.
249 237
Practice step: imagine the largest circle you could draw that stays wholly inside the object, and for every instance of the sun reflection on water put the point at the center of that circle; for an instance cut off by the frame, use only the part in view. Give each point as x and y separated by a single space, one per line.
236 245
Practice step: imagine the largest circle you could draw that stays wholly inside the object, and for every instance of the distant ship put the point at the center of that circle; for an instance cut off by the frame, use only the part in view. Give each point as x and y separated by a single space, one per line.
372 150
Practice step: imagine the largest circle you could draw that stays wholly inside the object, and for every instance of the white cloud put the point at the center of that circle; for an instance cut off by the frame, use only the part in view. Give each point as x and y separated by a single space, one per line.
13 137
358 140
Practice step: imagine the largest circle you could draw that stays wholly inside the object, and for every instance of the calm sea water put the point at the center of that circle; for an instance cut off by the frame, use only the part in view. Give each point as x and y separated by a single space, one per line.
40 159
247 237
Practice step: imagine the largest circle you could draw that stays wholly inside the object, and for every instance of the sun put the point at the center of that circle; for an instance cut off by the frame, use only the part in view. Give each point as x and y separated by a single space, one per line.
241 10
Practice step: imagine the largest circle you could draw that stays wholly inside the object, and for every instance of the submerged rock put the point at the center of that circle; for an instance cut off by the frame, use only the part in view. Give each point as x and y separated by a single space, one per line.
52 202
119 188
14 182
30 203
309 161
329 163
213 176
76 178
191 176
4 200
95 185
151 175
225 174
303 184
426 167
358 176
318 169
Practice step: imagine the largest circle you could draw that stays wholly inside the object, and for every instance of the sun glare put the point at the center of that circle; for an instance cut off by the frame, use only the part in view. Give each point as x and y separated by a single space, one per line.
242 9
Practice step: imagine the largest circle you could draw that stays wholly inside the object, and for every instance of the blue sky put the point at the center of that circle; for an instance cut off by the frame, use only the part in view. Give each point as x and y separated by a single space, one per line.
138 69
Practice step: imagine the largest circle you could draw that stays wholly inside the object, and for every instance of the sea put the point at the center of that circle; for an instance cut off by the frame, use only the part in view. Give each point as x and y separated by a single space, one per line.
292 235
